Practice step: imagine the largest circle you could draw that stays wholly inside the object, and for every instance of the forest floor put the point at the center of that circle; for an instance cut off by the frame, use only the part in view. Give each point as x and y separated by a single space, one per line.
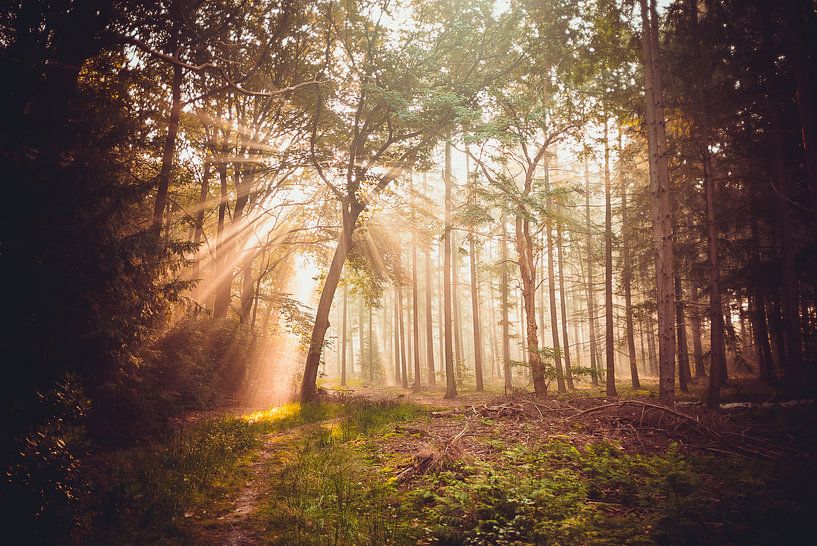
379 466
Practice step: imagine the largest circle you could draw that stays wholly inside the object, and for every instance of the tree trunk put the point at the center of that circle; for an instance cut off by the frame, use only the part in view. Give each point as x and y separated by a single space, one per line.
330 285
695 325
199 227
459 360
717 354
662 217
554 326
504 304
475 318
403 362
684 374
563 298
608 270
414 304
591 304
627 271
450 382
397 379
432 379
361 323
222 274
371 349
170 142
343 337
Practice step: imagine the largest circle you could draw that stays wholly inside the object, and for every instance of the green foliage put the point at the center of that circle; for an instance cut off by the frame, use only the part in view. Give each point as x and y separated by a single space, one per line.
558 494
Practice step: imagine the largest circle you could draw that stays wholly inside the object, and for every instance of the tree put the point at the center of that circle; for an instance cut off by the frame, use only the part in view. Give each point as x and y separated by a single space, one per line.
661 215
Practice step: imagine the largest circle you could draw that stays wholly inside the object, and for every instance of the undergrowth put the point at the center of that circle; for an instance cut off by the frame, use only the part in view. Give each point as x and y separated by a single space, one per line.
329 487
140 495
558 494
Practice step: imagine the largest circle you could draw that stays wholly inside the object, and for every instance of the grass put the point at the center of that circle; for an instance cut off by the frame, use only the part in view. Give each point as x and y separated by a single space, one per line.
141 495
331 487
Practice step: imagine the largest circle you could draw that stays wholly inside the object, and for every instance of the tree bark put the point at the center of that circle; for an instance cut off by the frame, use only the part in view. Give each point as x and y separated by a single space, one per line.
170 141
414 304
591 298
684 374
662 217
695 325
608 270
403 362
432 379
343 336
450 381
504 304
475 317
198 233
223 277
554 326
313 358
459 359
563 298
627 271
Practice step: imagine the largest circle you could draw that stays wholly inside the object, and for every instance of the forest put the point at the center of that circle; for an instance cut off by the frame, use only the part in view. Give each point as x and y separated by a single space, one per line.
409 272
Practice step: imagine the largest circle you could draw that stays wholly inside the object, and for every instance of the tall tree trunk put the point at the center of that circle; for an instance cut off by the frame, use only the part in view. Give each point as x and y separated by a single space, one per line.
591 298
475 318
504 304
397 375
403 362
441 279
371 349
247 286
662 217
450 381
459 359
627 270
492 330
343 337
361 323
563 298
716 342
684 374
222 275
432 379
198 233
790 307
608 270
554 326
414 304
170 141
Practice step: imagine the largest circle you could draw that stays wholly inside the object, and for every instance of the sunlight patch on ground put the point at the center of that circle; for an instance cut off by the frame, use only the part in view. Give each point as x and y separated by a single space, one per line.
274 414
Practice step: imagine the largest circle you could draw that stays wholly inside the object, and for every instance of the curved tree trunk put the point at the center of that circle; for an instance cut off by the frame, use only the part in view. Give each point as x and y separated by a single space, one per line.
330 285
